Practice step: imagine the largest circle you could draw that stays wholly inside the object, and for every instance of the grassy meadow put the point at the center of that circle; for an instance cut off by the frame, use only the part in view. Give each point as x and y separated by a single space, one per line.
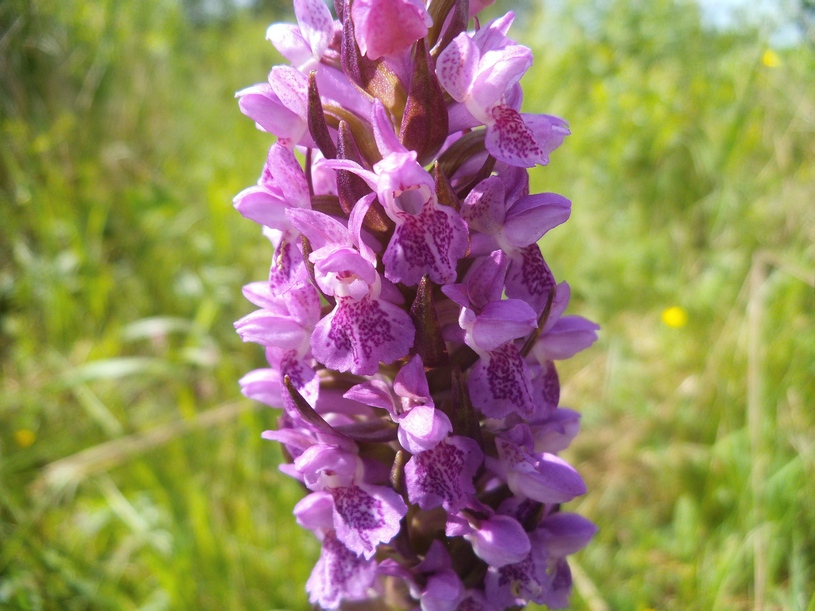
132 473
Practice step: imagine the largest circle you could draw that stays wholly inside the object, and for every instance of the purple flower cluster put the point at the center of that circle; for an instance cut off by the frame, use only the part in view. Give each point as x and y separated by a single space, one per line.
410 322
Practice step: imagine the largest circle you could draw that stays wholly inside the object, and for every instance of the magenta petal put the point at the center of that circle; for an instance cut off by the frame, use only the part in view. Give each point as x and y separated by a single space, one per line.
386 27
500 540
300 374
529 278
485 280
327 466
357 335
511 141
429 243
347 262
549 131
339 575
542 477
545 389
444 475
423 428
457 293
485 207
365 516
562 534
411 381
555 434
532 216
502 321
374 393
287 267
386 140
355 221
303 304
261 104
568 336
514 584
500 384
442 592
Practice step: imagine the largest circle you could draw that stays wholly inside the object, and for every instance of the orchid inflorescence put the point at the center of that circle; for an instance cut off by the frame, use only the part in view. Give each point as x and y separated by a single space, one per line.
410 321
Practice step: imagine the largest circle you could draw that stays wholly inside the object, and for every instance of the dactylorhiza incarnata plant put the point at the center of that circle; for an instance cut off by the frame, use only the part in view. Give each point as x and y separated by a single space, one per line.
410 321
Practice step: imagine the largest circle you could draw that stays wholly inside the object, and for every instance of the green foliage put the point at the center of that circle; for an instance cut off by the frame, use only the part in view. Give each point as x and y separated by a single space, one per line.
121 259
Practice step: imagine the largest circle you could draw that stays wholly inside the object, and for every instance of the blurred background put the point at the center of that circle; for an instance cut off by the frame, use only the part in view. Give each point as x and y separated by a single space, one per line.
132 473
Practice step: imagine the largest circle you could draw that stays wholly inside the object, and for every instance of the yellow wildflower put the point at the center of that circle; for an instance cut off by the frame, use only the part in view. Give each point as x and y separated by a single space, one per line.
24 437
675 317
770 59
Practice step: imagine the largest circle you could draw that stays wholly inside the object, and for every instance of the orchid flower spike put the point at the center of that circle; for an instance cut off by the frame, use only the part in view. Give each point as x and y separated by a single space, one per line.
410 322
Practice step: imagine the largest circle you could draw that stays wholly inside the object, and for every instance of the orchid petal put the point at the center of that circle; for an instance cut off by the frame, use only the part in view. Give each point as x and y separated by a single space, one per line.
357 335
316 24
500 540
500 384
365 516
456 67
532 216
444 475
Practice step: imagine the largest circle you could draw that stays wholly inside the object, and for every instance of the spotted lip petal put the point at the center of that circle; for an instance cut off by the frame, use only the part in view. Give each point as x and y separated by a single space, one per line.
500 384
429 243
339 575
365 516
444 475
357 335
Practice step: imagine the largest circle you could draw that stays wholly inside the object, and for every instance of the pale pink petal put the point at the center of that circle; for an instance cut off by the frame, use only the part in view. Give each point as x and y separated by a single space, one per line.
291 88
262 206
320 229
456 67
267 329
498 70
316 24
289 41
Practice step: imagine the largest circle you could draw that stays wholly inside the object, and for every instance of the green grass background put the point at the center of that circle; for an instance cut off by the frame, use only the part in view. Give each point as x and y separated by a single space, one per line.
132 474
